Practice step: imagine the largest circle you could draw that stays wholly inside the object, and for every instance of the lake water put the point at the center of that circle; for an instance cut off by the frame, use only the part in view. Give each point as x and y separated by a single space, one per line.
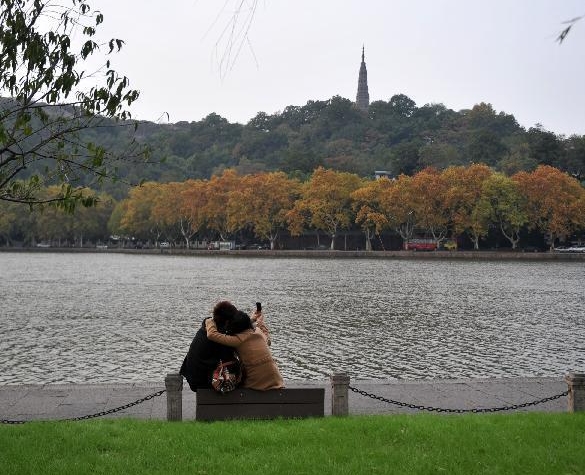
106 318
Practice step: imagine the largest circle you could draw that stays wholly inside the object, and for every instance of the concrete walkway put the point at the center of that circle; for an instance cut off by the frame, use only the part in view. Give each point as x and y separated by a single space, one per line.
62 401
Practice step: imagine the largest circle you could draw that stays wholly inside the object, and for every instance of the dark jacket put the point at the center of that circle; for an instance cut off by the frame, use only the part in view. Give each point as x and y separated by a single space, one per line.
202 359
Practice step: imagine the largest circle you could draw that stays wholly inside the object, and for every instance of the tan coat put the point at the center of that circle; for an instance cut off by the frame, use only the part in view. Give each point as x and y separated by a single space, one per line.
260 368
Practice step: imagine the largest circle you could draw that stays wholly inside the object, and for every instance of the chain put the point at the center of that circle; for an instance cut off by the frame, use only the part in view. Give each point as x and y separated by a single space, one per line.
355 390
459 411
97 414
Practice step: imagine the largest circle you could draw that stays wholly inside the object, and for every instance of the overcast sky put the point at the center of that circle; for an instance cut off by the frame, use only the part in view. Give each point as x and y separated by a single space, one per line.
454 52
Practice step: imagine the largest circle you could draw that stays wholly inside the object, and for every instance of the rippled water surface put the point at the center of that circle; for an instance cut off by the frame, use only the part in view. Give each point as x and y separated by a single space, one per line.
120 318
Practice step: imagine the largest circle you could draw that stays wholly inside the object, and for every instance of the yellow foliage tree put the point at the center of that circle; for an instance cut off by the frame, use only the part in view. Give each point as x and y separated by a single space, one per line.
326 202
369 214
397 201
261 203
215 209
138 219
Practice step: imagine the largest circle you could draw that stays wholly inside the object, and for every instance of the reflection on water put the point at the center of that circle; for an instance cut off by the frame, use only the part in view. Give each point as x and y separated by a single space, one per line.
104 318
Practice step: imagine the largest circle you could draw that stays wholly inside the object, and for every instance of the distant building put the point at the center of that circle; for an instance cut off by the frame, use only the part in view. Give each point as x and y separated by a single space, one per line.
382 173
362 99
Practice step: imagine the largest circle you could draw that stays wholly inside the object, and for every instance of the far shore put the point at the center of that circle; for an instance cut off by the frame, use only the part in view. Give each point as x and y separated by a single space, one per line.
491 255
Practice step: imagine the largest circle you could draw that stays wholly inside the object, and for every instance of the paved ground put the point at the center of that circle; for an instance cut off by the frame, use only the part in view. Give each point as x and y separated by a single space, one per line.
60 401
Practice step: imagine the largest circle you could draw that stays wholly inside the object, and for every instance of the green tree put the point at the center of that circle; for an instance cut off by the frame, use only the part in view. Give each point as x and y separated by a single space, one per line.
501 202
44 46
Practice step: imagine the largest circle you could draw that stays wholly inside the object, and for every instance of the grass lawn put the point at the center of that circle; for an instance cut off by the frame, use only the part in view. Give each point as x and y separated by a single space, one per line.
524 443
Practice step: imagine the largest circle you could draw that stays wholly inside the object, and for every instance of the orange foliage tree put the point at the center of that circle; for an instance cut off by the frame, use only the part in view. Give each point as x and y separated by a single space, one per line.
429 197
215 209
463 197
171 211
193 201
555 201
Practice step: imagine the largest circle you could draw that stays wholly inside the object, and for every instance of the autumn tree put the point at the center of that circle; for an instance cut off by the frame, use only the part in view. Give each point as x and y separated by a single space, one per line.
397 202
44 47
193 200
215 210
555 202
262 202
368 210
465 189
325 202
429 197
138 219
170 212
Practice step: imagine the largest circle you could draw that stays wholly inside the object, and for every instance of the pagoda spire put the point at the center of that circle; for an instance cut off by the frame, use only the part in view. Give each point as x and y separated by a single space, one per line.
363 97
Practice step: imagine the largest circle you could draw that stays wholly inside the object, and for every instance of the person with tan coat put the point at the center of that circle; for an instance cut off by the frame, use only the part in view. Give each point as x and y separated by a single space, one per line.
251 343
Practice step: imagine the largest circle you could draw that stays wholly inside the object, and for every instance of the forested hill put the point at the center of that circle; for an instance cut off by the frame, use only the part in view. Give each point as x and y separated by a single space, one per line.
396 136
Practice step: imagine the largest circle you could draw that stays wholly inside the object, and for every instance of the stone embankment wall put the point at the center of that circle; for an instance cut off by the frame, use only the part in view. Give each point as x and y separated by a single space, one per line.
325 254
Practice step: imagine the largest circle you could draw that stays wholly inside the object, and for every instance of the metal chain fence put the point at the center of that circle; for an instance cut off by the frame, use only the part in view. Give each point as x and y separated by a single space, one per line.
97 414
459 411
355 390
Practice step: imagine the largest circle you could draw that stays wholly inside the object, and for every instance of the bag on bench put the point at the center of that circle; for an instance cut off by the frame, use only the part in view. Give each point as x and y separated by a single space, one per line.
227 376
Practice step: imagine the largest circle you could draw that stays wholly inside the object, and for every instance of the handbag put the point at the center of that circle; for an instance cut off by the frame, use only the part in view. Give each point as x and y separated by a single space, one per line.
227 375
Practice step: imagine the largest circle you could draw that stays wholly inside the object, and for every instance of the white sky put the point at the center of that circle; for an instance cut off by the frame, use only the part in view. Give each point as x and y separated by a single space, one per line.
455 52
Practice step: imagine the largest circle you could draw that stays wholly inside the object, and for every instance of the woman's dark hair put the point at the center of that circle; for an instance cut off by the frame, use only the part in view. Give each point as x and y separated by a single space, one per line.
222 312
239 323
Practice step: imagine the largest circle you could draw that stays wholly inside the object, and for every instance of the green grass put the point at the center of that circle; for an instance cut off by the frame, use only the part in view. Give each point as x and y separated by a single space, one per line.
536 443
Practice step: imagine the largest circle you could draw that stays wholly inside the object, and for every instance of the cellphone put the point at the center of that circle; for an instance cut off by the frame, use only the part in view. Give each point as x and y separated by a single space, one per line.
258 307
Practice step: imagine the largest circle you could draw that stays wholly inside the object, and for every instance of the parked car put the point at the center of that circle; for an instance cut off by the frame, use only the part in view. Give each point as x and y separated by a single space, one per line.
531 249
320 247
570 249
258 246
165 244
576 249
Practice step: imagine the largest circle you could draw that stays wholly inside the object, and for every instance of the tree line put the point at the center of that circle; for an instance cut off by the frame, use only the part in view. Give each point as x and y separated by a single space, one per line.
394 135
472 203
66 124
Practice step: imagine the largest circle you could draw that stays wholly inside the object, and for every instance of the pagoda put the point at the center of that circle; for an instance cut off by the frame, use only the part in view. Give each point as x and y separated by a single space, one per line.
362 99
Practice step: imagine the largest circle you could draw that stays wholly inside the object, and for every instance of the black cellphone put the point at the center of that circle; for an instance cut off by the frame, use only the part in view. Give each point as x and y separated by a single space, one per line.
258 307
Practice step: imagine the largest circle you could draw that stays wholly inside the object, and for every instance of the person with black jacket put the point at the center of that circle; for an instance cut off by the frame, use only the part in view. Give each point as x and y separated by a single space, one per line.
204 355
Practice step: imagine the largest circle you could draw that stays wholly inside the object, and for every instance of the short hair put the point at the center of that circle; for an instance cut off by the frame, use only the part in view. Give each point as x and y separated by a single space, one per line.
239 323
224 311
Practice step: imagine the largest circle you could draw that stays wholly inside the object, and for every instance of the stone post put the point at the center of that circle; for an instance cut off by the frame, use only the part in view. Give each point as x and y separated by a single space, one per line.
576 383
174 385
339 394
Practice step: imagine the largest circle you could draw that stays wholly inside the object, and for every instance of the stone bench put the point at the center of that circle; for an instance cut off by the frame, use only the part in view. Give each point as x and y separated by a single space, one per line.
252 404
297 402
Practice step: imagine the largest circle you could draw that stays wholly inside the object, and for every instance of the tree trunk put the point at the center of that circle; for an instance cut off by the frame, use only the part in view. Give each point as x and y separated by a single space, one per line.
368 233
476 243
